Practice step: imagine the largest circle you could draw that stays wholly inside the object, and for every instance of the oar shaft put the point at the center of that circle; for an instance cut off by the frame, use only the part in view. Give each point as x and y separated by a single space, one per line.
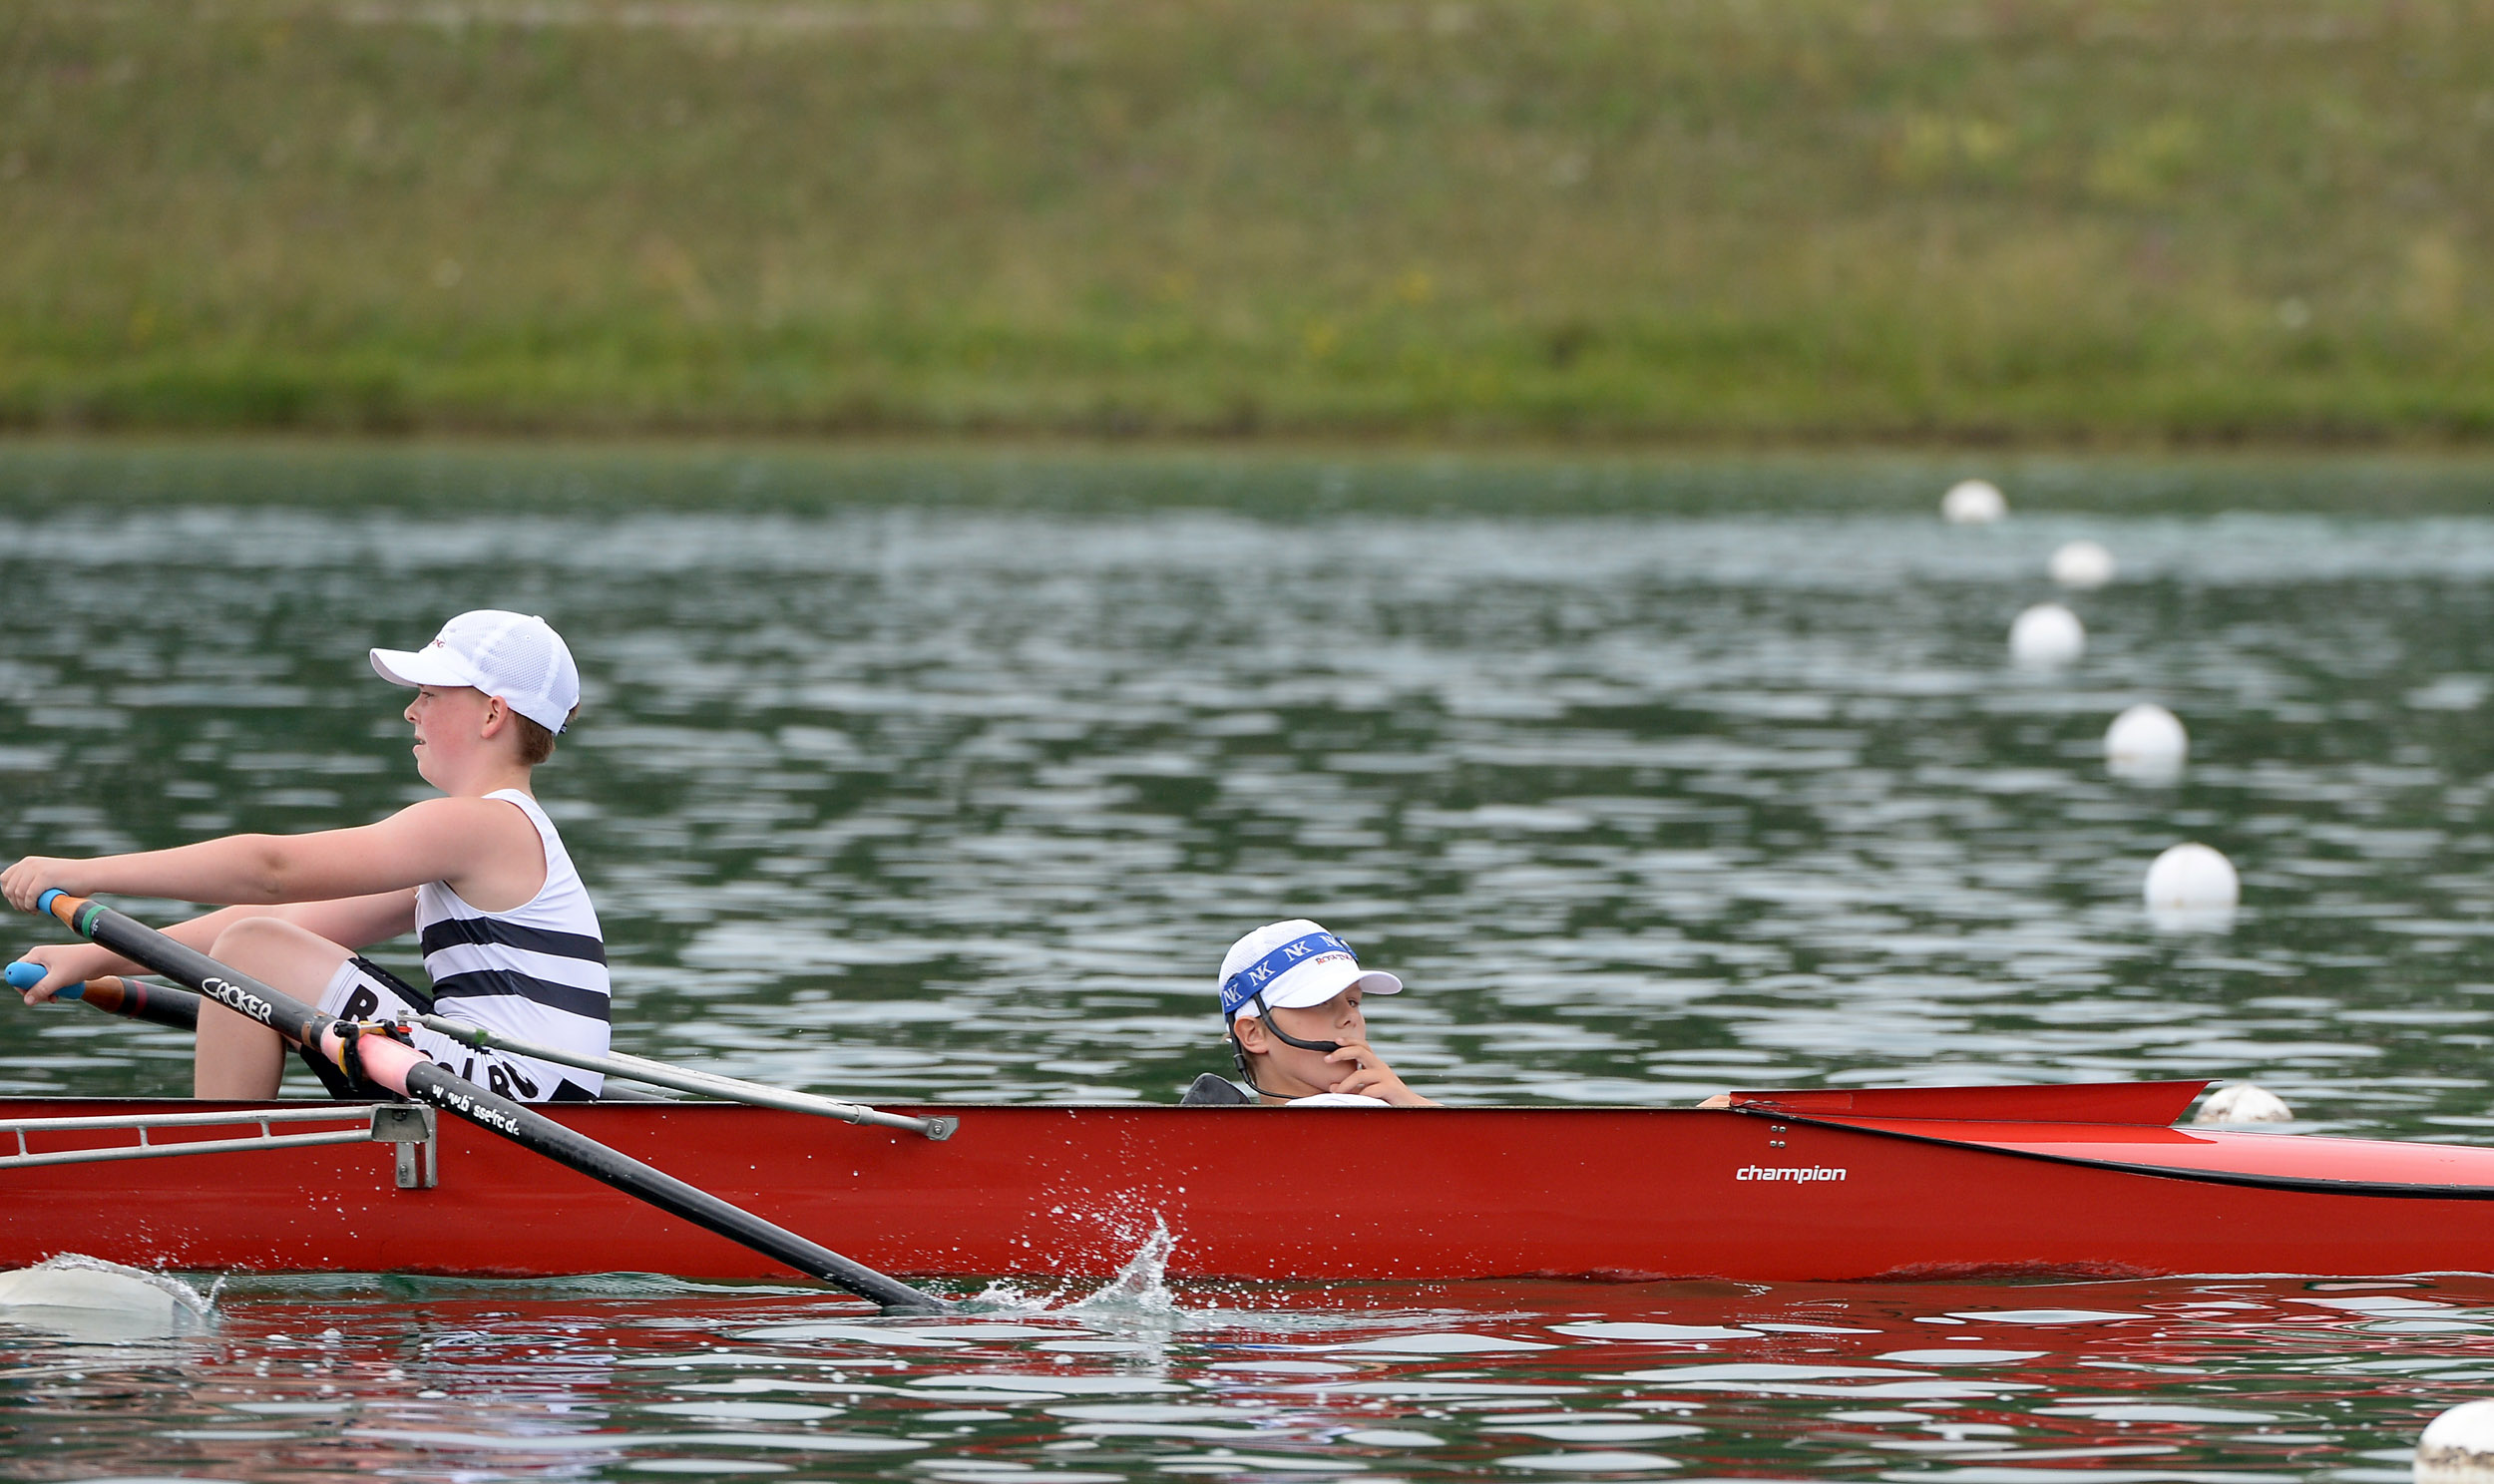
683 1079
451 1094
421 1079
179 1009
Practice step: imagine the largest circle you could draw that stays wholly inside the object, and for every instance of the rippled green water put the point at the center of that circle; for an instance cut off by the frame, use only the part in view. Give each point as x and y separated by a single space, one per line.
948 778
2234 1383
964 799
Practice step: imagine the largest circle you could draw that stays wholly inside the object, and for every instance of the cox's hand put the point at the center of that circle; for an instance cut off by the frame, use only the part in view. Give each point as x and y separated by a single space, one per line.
66 964
31 877
1365 1074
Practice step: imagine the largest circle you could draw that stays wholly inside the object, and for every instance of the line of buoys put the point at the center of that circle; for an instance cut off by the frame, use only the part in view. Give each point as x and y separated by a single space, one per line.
2192 887
2189 886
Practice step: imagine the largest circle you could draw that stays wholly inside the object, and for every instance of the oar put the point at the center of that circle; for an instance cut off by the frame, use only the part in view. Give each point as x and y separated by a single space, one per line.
402 1070
686 1079
179 1009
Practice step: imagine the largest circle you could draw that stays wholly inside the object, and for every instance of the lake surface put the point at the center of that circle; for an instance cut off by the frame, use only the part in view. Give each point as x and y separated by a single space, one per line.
951 778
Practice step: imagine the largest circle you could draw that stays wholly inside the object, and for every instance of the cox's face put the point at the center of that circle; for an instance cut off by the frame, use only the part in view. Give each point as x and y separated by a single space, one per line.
1338 1019
1295 1071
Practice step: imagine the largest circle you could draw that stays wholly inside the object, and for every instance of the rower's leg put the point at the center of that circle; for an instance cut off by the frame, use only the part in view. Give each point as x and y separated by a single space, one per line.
236 1056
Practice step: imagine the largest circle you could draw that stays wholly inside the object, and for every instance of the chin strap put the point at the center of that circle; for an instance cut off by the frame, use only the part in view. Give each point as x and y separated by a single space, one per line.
1238 1053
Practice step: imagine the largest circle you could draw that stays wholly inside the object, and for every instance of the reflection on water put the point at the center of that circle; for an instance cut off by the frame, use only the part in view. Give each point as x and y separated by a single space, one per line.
2235 1382
965 803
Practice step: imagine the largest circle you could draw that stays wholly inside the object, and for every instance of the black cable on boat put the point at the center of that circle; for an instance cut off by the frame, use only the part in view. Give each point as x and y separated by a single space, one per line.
300 1023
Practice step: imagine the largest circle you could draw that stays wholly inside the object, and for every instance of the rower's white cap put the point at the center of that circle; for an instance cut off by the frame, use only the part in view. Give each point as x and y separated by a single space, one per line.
1292 965
516 657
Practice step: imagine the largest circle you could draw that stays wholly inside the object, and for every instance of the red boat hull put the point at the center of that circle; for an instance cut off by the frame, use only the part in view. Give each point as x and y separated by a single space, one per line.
1301 1194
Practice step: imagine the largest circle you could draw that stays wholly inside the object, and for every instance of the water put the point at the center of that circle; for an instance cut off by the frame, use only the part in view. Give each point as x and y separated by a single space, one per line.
2240 1382
928 778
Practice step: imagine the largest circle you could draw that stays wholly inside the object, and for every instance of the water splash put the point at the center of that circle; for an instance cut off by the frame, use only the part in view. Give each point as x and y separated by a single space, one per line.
1137 1291
1140 1288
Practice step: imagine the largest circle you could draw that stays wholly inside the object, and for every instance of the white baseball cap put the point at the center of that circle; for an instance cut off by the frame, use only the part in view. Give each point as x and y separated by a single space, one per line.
516 657
1292 965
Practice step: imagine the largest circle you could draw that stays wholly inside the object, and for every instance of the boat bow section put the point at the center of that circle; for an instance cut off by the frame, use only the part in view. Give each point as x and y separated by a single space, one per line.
2126 1127
2155 1104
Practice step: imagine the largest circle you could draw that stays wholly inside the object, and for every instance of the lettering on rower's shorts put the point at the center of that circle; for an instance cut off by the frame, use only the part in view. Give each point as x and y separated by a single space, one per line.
1802 1173
361 1004
509 1081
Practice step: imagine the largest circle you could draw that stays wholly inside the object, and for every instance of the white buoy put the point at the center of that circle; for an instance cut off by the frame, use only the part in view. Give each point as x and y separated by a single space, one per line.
2458 1446
2145 742
1973 502
2243 1103
2047 636
2192 889
2082 564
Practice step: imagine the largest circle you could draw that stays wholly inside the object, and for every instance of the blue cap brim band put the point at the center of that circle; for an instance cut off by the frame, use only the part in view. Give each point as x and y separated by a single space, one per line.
1243 985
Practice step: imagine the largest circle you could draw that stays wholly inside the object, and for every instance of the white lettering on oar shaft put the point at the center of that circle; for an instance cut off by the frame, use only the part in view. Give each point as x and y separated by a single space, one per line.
1799 1173
235 998
469 1108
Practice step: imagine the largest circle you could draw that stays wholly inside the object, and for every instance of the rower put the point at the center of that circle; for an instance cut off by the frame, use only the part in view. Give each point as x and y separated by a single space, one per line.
508 934
1290 997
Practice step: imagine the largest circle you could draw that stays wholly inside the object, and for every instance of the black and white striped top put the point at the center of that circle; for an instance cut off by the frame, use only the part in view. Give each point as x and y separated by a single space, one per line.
537 971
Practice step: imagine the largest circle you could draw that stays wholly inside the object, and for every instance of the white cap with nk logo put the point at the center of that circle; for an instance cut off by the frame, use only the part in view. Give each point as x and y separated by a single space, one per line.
1293 964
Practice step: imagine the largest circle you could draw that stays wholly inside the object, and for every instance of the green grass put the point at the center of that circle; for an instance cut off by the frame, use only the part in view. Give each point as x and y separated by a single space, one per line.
2190 221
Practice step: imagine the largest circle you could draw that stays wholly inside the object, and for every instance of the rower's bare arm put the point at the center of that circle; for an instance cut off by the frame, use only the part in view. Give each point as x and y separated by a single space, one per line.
438 839
352 922
348 921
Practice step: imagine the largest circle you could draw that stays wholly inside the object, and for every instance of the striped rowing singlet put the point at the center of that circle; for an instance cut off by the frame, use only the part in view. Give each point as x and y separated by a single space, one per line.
537 971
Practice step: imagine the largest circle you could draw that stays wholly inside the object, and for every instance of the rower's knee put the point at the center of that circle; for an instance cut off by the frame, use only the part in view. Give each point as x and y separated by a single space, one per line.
277 951
254 939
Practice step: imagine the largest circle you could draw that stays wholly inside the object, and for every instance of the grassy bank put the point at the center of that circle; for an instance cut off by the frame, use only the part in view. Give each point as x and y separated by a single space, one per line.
1837 219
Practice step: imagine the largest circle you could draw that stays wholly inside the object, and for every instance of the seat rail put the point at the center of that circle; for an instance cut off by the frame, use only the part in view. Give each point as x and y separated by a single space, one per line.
410 1128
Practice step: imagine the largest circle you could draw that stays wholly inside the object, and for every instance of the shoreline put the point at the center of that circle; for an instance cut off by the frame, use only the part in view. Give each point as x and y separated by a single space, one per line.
1266 476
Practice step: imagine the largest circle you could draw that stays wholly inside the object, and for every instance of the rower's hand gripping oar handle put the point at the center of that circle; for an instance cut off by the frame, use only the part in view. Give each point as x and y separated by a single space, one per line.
404 1070
114 996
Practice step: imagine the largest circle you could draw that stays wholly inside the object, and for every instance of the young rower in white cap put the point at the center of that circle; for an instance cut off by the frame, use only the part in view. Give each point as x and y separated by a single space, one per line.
508 937
1290 995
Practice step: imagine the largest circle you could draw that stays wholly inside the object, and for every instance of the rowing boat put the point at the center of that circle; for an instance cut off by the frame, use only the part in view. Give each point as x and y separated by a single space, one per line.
1896 1182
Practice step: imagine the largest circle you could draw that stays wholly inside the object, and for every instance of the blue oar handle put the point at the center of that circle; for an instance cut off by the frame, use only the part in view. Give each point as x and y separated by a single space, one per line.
24 975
